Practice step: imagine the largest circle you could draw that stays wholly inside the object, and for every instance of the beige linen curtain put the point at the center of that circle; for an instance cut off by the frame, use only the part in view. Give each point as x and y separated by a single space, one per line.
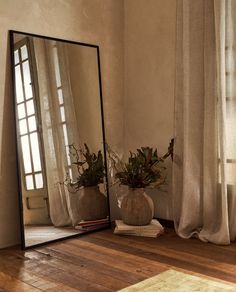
56 158
204 170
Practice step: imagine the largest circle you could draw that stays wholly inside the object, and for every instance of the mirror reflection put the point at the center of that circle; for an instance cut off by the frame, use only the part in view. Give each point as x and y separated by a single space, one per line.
60 138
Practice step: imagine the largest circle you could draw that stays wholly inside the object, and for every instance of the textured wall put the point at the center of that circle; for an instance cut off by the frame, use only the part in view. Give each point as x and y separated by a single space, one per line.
149 58
86 96
98 22
143 40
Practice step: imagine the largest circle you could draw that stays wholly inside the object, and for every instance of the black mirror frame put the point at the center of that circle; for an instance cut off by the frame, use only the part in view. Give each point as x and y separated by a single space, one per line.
11 34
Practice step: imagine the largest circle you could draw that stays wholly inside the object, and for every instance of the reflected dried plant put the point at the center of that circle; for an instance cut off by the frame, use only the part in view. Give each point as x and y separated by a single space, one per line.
90 168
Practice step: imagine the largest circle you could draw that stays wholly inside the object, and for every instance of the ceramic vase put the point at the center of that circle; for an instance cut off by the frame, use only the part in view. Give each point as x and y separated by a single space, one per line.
137 207
92 204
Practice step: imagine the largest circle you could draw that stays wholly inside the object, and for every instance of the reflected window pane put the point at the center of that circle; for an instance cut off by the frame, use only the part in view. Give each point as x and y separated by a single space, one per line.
65 134
21 111
62 111
39 180
35 152
29 182
19 88
26 154
24 53
70 173
32 124
16 56
56 67
23 127
60 96
68 156
30 107
27 80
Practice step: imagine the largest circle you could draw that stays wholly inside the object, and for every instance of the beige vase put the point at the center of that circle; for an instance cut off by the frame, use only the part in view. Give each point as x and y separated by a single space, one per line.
137 207
92 204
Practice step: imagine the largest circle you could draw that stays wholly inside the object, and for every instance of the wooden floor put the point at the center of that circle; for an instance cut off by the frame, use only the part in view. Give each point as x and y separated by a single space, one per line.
105 262
39 234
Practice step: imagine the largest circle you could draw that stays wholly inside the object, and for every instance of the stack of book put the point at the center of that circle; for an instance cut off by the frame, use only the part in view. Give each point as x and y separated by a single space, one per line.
154 229
92 224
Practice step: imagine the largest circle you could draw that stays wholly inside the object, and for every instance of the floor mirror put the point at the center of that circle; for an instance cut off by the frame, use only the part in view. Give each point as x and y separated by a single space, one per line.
60 138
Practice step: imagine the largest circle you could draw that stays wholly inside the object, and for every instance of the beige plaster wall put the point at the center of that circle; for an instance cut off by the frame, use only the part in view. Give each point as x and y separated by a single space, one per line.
138 98
92 21
149 58
84 82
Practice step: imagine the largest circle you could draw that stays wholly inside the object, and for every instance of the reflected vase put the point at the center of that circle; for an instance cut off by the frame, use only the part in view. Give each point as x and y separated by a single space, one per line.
137 207
92 204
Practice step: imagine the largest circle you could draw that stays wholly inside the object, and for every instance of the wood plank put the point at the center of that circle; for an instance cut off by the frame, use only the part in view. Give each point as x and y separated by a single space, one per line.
91 275
93 264
113 258
38 266
124 244
183 259
13 265
103 261
8 283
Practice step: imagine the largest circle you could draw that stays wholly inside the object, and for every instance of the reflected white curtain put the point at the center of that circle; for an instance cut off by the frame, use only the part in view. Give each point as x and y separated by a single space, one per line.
56 157
204 170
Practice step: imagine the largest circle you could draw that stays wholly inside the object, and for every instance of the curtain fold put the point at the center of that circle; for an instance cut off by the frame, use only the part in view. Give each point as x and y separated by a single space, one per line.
52 139
203 197
230 93
57 135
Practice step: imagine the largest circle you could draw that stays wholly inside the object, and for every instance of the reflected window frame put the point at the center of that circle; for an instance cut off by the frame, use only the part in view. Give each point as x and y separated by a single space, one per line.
20 60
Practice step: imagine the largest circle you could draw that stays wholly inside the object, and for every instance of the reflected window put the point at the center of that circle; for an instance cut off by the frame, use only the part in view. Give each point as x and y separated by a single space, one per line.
27 119
61 107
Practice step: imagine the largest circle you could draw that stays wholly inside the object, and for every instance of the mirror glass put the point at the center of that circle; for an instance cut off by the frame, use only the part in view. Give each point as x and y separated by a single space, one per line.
60 138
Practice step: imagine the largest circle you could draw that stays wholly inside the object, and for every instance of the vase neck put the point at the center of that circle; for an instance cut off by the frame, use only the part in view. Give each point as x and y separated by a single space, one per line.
136 191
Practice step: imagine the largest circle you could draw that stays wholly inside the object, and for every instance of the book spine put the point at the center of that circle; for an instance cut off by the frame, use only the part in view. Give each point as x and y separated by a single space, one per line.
92 227
136 234
100 221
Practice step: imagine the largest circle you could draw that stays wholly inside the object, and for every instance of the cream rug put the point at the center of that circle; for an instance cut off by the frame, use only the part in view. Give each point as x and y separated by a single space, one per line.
173 281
